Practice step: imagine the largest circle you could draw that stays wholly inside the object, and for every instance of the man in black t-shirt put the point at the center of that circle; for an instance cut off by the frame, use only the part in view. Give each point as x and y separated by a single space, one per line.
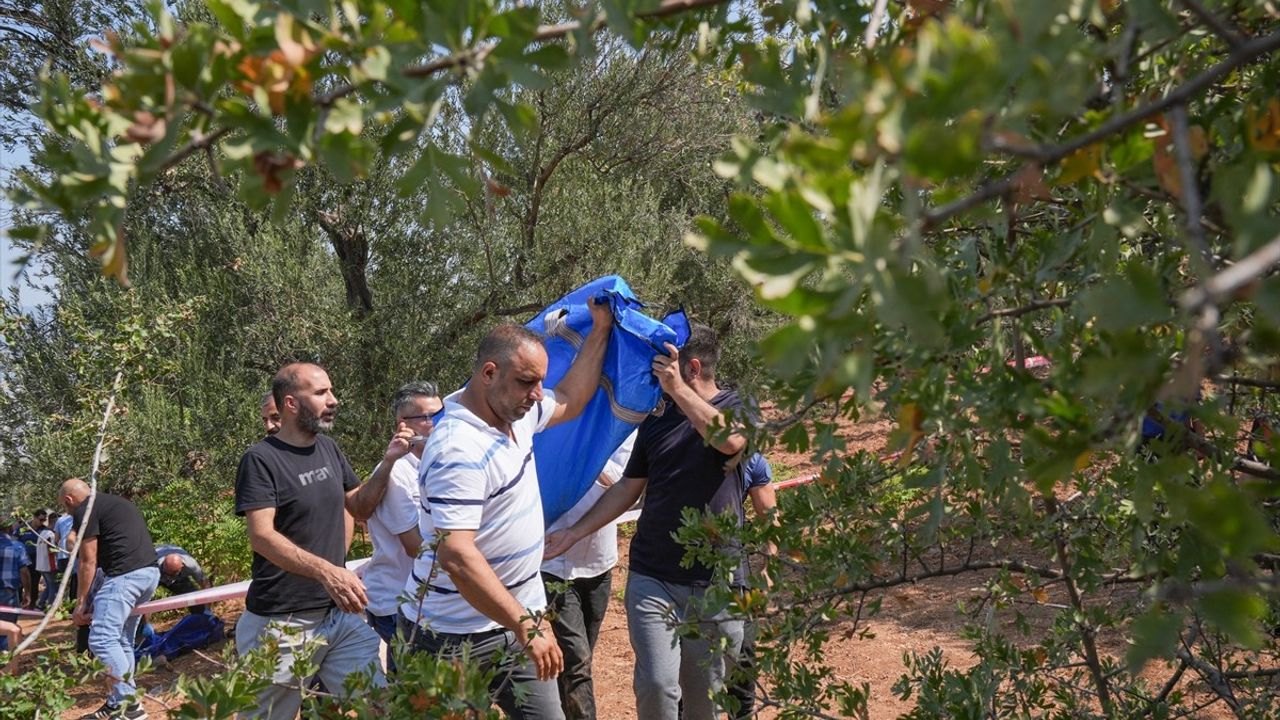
113 537
292 487
676 467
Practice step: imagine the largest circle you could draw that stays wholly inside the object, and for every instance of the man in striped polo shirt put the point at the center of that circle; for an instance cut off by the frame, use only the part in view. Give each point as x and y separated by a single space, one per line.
477 583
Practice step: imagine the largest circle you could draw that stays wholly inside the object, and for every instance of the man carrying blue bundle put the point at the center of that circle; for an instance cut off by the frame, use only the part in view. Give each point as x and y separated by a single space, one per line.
476 588
679 466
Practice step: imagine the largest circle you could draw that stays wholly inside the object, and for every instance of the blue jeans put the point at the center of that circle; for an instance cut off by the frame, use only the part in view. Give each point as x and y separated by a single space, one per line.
50 589
113 627
8 596
385 626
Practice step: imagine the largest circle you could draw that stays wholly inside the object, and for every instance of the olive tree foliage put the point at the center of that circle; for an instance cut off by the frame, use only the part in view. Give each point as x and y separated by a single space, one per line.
52 34
941 191
356 277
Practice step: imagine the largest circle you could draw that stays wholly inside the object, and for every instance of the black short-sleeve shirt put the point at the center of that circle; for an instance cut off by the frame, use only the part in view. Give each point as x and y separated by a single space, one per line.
683 472
307 487
124 543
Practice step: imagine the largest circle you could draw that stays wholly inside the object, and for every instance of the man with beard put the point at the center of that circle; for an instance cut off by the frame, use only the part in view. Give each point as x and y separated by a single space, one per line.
292 488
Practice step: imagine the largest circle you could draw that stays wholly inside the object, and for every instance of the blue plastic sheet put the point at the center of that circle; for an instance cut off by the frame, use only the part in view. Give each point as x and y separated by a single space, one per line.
571 455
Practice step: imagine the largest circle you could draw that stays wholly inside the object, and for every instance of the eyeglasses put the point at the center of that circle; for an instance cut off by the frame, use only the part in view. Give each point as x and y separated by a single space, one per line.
417 417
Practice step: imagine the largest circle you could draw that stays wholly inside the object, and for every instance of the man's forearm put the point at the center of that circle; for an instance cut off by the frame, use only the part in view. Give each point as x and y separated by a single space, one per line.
702 415
88 568
411 541
579 383
362 501
287 556
614 502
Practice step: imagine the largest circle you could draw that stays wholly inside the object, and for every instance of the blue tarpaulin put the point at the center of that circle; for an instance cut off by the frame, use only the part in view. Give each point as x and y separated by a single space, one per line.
571 455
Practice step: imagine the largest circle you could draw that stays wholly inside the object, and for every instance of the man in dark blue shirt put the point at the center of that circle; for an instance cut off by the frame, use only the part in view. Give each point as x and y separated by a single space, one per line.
678 465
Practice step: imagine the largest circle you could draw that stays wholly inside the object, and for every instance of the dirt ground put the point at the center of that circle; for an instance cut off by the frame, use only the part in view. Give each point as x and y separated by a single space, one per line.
914 618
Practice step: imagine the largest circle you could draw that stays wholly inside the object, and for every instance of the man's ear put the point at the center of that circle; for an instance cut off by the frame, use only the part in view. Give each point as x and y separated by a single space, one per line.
489 371
695 368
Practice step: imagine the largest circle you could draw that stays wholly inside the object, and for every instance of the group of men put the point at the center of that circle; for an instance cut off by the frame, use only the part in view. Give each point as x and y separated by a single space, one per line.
45 557
123 568
462 561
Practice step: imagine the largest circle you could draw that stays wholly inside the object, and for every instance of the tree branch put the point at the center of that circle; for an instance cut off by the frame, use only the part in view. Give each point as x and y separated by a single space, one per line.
1219 26
1245 53
197 144
1024 309
1221 286
477 55
1247 382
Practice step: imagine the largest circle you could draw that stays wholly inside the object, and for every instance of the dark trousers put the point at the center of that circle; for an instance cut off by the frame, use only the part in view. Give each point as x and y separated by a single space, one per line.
516 687
385 626
12 598
577 615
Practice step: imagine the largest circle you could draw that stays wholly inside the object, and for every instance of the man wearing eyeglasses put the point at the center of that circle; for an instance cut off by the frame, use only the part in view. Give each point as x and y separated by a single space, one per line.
394 524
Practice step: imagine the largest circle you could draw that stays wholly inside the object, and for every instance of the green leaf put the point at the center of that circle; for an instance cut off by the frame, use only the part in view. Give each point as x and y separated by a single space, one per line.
346 155
521 118
794 215
1155 635
1236 613
1120 303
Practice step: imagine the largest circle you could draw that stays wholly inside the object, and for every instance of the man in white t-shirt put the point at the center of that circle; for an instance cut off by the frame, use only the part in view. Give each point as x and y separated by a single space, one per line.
394 524
586 572
476 582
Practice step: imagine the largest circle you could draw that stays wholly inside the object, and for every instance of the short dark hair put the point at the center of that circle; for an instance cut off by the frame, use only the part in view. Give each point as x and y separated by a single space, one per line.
268 395
502 342
286 381
41 513
704 345
411 390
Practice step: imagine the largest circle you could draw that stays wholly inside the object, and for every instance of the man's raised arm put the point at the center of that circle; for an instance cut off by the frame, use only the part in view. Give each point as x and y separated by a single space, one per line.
363 499
579 384
702 414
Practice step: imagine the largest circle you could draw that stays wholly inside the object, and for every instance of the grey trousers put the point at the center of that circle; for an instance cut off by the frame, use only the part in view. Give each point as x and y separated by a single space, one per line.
670 669
346 644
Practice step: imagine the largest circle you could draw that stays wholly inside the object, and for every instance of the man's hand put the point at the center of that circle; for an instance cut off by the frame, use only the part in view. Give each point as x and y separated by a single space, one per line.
667 369
601 313
399 444
545 653
80 617
345 589
558 543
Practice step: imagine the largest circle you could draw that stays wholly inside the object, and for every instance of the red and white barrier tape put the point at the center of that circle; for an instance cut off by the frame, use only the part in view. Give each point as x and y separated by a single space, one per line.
21 612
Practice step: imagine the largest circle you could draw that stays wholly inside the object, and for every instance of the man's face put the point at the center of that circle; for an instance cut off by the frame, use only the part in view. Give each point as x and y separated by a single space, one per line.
38 521
270 416
315 403
416 415
512 390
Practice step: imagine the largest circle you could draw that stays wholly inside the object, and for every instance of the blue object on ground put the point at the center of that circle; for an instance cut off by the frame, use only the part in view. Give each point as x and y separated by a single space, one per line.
192 632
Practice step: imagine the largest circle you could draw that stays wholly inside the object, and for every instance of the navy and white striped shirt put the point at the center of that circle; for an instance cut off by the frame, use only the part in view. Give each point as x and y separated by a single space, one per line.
473 477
